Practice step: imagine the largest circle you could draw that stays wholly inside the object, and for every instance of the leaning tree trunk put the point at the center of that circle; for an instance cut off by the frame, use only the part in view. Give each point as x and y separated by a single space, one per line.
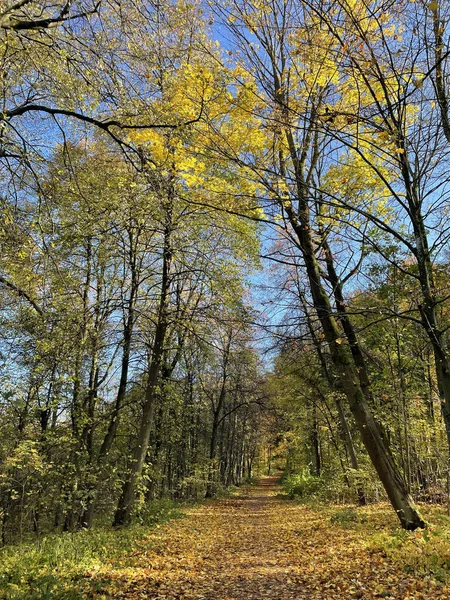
342 358
346 434
349 379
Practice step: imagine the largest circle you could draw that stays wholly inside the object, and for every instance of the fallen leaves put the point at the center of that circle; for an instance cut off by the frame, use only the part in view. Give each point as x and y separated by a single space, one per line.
260 546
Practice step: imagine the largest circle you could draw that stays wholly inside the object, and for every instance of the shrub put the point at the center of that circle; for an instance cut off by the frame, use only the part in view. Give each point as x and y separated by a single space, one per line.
63 566
303 485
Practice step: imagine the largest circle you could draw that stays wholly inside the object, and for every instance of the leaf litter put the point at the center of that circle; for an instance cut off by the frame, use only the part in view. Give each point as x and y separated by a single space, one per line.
258 545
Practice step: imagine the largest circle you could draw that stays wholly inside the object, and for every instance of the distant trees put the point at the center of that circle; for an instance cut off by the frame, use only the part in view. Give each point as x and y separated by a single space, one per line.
113 320
116 285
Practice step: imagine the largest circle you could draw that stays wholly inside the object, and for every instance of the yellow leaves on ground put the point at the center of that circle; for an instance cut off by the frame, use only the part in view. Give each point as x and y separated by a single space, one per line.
257 546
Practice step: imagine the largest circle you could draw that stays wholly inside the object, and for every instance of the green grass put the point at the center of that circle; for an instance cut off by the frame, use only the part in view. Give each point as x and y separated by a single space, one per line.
60 566
424 552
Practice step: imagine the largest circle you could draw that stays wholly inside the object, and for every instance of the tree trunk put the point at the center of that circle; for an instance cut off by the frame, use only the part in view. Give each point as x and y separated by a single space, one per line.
127 498
316 460
87 516
344 426
210 488
428 312
345 367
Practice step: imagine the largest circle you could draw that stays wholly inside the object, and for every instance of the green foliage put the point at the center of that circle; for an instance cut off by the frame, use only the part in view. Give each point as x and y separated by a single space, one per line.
157 511
303 485
252 480
53 568
423 552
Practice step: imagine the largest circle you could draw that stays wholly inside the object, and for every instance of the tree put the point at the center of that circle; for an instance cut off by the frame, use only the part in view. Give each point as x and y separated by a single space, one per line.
298 146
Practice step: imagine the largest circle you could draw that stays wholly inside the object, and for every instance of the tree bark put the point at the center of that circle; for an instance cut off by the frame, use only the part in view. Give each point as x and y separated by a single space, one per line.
349 378
127 498
343 360
344 426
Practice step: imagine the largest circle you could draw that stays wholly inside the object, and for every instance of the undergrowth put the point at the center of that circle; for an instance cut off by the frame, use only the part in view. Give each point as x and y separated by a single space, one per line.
303 485
424 552
55 567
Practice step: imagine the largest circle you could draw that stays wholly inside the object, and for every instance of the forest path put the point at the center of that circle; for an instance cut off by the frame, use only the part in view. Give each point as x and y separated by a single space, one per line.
258 546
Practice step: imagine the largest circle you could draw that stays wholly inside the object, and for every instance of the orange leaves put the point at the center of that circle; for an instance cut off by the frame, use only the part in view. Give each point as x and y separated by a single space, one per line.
258 546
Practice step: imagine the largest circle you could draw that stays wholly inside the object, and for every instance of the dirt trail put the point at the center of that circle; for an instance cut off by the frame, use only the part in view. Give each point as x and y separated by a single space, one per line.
258 546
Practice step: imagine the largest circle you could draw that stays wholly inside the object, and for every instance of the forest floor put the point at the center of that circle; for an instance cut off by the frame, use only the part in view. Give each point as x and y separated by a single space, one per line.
258 545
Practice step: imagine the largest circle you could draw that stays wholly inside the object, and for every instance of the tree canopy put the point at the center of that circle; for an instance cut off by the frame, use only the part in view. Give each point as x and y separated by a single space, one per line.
224 242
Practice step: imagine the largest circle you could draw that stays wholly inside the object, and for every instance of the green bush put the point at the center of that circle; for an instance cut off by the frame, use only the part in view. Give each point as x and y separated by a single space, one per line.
156 511
421 552
303 485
